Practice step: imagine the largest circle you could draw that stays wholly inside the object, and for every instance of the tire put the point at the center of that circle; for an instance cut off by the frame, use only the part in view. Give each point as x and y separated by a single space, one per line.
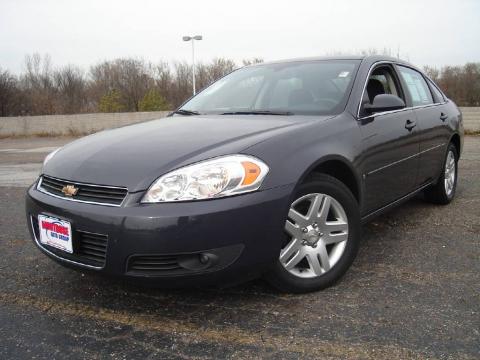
443 191
327 247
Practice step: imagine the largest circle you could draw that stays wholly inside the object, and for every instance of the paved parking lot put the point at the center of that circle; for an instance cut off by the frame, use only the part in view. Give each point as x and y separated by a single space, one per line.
413 292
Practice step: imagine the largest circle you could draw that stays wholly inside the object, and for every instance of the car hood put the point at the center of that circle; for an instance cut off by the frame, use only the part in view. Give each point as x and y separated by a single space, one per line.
134 156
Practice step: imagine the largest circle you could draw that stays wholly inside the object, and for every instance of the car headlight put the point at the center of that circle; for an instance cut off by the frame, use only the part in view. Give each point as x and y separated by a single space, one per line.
49 157
219 177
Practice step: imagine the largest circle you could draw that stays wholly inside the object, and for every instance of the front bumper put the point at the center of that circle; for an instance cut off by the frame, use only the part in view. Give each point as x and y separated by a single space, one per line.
172 244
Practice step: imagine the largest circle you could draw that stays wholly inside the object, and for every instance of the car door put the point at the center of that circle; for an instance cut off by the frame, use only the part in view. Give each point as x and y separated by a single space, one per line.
432 119
390 144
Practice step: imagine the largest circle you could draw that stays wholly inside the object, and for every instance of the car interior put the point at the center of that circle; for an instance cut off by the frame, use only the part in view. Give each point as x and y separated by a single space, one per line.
381 81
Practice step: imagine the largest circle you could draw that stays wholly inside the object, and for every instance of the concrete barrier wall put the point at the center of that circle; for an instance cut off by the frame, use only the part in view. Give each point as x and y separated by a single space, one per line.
79 124
471 118
82 124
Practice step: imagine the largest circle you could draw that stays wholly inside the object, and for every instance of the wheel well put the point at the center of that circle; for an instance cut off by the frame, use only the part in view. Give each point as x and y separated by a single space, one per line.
342 172
456 142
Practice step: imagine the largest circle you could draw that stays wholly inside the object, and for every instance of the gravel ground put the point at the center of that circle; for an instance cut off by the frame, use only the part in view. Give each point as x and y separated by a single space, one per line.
413 292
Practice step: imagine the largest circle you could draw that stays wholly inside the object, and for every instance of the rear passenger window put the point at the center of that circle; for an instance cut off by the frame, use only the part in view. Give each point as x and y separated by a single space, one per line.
417 86
437 94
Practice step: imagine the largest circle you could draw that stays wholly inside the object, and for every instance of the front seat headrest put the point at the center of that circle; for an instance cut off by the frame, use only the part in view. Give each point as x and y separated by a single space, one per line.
374 88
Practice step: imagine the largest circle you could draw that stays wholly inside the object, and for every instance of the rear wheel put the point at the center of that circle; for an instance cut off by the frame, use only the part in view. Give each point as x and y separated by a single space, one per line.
322 233
444 190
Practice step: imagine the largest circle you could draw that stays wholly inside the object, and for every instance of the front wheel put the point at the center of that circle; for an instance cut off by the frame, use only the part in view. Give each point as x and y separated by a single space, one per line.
444 190
322 234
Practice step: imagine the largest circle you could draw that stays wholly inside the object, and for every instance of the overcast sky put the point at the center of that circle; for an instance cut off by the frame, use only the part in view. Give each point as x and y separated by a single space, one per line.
83 32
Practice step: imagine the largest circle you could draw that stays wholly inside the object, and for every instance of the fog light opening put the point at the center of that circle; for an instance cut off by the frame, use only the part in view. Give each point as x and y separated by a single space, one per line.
204 258
199 261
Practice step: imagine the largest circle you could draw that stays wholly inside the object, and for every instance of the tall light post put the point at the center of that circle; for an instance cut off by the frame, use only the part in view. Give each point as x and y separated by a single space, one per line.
192 39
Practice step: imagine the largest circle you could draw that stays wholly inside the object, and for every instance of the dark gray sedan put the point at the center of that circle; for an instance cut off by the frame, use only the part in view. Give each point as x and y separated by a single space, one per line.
269 171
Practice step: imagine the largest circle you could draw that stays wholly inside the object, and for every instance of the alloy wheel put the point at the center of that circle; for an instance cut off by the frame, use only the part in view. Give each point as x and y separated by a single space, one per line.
317 226
450 173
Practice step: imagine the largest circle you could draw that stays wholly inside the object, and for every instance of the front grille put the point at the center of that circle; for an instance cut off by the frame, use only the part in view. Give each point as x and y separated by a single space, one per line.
99 194
153 264
88 248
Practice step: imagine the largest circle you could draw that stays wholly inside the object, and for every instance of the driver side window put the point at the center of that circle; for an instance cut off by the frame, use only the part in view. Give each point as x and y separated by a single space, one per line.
381 81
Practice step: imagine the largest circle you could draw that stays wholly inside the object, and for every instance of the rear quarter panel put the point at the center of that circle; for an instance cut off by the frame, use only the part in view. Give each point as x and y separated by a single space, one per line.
456 121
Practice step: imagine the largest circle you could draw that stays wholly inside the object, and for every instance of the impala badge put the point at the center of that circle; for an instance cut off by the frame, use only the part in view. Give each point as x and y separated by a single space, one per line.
69 190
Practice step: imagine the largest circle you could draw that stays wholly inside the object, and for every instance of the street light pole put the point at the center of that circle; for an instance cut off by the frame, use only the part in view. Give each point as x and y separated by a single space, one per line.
192 39
193 67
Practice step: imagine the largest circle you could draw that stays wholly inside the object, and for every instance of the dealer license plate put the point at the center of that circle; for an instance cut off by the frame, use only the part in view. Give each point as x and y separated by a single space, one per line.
55 232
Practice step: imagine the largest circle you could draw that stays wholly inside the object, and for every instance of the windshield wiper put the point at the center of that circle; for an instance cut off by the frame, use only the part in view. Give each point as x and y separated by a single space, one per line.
186 112
258 112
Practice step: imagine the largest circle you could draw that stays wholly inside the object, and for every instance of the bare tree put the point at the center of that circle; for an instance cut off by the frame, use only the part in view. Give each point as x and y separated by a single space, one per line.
71 87
182 84
8 92
131 77
133 81
220 67
432 72
37 82
471 84
162 75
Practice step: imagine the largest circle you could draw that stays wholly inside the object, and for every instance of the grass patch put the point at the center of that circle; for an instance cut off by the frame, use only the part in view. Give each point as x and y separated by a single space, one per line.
472 132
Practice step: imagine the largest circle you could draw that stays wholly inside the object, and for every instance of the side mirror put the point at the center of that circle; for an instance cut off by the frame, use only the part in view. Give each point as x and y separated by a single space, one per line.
384 102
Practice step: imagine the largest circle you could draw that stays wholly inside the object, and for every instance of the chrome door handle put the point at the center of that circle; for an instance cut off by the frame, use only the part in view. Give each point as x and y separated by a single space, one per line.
410 124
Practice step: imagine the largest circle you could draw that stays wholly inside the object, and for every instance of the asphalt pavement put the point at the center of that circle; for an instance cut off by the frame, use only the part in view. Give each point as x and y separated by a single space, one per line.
413 292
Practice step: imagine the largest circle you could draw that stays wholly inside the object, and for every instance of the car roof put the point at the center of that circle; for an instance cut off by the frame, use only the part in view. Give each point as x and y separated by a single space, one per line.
367 58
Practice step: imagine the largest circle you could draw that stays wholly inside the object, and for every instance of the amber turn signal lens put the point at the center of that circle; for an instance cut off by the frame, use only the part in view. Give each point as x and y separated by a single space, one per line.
252 171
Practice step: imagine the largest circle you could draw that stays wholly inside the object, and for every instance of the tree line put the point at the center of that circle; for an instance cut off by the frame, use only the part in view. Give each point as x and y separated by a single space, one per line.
120 85
129 84
459 83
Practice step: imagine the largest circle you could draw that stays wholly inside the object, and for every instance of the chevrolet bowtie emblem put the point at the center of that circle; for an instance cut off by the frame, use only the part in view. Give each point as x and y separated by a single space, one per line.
69 190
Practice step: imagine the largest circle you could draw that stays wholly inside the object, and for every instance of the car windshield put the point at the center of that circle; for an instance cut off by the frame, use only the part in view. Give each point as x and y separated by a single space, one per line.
295 88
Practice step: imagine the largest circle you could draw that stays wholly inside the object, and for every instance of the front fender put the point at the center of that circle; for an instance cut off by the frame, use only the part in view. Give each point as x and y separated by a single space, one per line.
293 154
